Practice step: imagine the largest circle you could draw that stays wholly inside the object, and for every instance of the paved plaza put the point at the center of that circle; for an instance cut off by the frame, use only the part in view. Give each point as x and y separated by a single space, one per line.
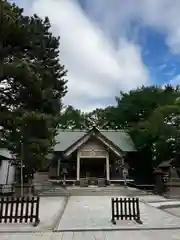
94 212
89 217
97 235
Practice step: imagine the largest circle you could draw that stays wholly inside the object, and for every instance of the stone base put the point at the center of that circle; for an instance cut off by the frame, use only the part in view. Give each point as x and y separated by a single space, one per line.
172 191
108 182
99 182
102 182
84 183
77 183
93 181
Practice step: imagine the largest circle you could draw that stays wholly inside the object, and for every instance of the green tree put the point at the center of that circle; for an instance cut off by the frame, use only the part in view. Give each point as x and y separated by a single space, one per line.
72 118
147 113
101 117
32 86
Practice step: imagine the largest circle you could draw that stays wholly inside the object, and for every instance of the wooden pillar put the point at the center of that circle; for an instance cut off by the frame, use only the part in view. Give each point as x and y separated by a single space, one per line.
122 160
58 167
107 167
78 167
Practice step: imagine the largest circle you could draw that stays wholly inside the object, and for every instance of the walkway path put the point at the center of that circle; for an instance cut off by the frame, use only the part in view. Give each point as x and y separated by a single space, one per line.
88 217
99 235
93 212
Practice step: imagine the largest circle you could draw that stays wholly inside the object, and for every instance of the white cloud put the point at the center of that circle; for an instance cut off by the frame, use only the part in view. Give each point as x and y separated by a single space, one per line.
175 81
96 71
162 15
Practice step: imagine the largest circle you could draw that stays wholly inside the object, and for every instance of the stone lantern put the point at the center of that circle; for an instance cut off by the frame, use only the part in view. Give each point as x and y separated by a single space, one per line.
159 181
125 173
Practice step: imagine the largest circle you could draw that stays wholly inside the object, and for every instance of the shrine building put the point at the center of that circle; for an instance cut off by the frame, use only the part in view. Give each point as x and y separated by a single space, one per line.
90 154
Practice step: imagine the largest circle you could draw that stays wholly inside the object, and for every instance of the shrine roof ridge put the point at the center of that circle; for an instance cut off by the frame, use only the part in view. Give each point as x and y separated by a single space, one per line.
120 138
86 130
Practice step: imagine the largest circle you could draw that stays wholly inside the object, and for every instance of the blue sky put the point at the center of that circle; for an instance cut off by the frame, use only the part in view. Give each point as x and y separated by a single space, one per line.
113 45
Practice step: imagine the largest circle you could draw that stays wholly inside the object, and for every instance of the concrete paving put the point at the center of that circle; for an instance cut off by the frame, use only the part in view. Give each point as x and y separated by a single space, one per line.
93 212
96 235
153 198
92 215
174 211
165 204
50 211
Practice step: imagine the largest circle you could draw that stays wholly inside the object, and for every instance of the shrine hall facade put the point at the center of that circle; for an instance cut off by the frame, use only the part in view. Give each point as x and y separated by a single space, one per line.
90 154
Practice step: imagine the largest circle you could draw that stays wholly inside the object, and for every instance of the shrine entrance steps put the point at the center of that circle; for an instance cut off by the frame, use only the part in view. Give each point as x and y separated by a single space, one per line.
91 191
104 191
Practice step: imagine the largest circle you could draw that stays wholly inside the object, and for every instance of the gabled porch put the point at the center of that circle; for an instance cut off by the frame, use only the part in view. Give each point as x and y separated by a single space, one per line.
92 160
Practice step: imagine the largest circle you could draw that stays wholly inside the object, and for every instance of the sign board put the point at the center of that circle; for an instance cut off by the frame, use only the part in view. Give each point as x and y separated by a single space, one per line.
125 172
119 162
64 171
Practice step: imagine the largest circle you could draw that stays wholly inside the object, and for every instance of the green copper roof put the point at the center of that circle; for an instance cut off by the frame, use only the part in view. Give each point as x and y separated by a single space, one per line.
4 153
66 138
120 138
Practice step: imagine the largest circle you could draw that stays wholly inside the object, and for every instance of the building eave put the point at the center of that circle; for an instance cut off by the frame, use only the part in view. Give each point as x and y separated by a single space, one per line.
97 134
5 154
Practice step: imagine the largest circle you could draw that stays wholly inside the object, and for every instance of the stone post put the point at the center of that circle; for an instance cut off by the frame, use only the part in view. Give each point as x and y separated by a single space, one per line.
78 168
107 169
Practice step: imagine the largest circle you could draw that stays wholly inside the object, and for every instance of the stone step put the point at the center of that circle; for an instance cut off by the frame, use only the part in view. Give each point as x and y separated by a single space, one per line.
52 191
106 194
91 191
53 194
105 191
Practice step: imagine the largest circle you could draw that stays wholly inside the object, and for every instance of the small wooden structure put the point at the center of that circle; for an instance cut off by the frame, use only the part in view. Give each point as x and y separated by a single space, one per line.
7 169
125 209
21 209
90 154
